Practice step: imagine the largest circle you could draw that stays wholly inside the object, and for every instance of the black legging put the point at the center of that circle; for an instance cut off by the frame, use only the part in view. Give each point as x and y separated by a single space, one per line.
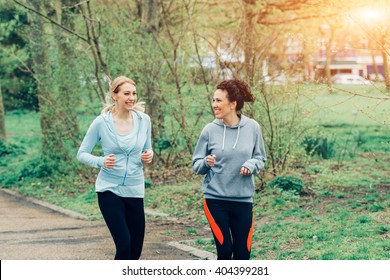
125 218
232 225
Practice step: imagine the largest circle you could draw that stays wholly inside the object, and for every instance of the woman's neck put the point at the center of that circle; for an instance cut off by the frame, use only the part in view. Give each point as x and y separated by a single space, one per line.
123 122
122 115
231 120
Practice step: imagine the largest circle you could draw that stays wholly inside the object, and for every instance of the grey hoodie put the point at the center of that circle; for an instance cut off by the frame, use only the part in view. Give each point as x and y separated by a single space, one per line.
234 147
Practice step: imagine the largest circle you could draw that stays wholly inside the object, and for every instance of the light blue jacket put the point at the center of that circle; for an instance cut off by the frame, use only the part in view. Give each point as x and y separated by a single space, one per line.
128 169
234 147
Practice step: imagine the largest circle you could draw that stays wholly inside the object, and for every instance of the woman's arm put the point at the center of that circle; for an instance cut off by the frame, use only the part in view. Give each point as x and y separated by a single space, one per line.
199 164
259 157
90 139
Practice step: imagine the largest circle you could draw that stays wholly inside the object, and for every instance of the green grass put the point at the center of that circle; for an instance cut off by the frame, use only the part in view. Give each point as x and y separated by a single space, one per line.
324 229
342 214
347 105
317 228
351 223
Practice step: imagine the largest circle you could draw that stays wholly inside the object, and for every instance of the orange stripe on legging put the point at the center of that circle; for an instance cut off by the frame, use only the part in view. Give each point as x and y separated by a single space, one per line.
249 240
214 227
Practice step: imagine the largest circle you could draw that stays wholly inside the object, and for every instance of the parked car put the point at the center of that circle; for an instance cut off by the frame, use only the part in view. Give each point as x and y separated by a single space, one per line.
283 79
276 80
349 79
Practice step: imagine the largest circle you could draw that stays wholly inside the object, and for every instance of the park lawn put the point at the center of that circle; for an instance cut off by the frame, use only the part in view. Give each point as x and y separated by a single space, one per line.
342 214
341 222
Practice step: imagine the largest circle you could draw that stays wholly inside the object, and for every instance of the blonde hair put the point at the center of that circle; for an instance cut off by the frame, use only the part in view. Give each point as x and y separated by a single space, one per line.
114 89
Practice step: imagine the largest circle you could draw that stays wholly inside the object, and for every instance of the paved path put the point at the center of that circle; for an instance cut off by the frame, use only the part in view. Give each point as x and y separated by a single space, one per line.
29 231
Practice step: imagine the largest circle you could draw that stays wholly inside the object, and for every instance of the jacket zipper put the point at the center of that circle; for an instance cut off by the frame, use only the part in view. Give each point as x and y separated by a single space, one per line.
127 164
127 154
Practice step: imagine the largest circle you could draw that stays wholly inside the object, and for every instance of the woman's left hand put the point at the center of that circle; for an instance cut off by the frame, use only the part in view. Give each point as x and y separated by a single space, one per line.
147 156
245 171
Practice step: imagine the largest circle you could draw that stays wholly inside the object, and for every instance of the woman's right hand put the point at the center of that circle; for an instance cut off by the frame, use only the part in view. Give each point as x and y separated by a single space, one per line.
109 161
211 159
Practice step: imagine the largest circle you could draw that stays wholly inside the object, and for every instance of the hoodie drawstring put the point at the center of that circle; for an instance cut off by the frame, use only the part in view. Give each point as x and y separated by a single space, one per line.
224 136
238 135
223 140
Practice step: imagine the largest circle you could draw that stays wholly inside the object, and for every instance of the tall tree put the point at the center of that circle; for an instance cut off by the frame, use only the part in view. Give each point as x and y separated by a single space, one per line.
18 86
67 88
41 44
3 135
151 72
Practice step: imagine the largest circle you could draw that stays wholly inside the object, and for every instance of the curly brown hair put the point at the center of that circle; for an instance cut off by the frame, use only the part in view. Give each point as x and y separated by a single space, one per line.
237 90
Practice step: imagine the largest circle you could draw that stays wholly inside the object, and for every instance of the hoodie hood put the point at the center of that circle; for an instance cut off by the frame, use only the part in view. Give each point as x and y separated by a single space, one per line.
243 121
108 118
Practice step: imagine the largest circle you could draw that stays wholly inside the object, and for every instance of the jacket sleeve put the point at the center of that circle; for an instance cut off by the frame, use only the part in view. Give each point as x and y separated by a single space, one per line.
259 157
199 163
148 143
90 139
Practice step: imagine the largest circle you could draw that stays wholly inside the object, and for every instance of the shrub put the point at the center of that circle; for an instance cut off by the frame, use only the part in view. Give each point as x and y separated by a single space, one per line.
3 149
287 183
40 167
359 138
383 229
148 183
10 149
319 146
364 219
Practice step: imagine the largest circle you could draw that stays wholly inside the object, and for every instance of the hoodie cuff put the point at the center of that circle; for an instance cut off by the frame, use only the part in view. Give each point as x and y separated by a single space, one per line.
100 162
205 163
250 167
149 150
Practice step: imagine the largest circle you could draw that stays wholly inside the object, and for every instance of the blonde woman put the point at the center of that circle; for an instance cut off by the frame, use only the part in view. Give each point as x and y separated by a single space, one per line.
124 132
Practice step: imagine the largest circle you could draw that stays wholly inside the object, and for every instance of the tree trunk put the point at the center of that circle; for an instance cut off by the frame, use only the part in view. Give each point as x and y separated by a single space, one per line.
149 15
3 136
149 19
328 74
383 45
66 60
374 66
249 55
52 144
386 69
93 41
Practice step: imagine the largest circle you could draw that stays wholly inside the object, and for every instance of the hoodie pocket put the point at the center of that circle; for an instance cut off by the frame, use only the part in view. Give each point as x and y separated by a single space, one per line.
230 185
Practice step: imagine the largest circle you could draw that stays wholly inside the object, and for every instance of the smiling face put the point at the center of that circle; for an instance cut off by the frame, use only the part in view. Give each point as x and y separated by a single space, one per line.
126 97
222 107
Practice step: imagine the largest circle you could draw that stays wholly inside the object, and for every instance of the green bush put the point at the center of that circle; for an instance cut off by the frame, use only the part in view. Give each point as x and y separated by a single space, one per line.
148 183
3 149
10 149
40 167
360 138
319 146
383 229
287 183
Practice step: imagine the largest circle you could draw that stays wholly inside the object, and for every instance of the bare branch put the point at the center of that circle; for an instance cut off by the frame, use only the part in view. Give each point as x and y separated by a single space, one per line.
362 95
26 67
52 21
